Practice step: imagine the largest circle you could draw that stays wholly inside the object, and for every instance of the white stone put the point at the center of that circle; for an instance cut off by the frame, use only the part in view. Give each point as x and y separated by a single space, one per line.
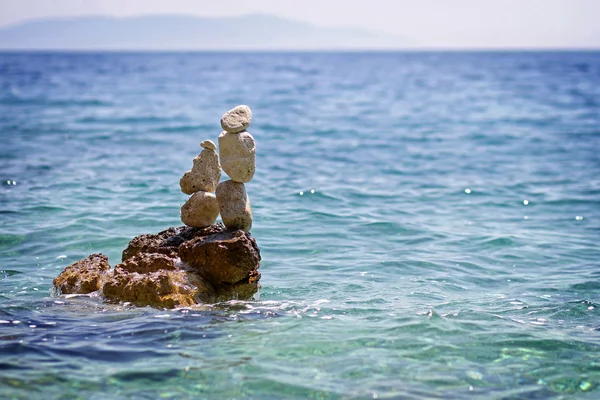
208 144
238 155
234 205
202 209
204 175
237 119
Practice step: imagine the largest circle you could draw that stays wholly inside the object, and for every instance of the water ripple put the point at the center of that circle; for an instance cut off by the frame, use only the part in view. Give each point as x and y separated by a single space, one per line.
430 216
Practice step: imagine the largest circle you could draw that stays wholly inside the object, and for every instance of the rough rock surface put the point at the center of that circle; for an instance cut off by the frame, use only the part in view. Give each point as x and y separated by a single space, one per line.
238 155
177 267
205 173
237 119
84 276
234 205
200 210
167 241
222 258
155 280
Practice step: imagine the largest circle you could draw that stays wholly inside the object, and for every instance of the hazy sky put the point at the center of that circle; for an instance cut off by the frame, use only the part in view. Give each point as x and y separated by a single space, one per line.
436 23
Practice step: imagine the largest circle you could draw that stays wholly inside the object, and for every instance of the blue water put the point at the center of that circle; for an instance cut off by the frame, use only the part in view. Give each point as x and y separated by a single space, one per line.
429 224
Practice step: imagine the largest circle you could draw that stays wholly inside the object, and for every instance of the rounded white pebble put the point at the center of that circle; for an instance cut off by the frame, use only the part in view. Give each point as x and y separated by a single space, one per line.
200 210
238 155
234 205
237 119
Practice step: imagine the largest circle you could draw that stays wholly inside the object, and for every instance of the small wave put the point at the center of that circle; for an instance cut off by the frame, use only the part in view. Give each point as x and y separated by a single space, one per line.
124 120
182 128
8 273
498 242
15 101
585 286
11 239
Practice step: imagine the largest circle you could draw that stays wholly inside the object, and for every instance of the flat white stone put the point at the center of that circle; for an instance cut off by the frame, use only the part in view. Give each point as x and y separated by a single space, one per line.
234 205
238 155
204 175
208 144
237 119
202 209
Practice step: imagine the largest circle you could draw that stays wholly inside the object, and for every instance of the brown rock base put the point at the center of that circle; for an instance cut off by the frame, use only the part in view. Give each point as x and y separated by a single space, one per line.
83 277
177 267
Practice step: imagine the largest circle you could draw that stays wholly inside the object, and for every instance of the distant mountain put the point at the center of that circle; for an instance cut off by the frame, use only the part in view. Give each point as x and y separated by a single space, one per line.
176 32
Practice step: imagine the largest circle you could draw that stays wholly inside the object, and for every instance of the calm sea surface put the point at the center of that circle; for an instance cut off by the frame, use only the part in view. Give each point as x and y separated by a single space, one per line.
429 224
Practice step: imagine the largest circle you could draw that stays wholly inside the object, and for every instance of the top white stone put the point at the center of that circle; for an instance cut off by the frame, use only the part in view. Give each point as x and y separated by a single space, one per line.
237 119
208 144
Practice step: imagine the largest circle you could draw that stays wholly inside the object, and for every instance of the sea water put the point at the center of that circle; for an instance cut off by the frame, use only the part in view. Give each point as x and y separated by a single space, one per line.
429 224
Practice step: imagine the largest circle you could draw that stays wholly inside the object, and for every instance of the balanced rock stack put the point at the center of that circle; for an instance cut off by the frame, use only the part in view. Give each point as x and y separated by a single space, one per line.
201 209
202 262
238 159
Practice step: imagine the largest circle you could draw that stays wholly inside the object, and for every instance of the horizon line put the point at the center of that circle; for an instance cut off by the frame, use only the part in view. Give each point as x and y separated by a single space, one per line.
310 50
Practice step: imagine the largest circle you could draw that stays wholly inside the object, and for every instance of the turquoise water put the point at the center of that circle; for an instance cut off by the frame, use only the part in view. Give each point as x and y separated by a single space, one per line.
429 224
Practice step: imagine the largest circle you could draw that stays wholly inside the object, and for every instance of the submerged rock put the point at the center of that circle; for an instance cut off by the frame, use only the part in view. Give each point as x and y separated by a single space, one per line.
83 277
177 267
